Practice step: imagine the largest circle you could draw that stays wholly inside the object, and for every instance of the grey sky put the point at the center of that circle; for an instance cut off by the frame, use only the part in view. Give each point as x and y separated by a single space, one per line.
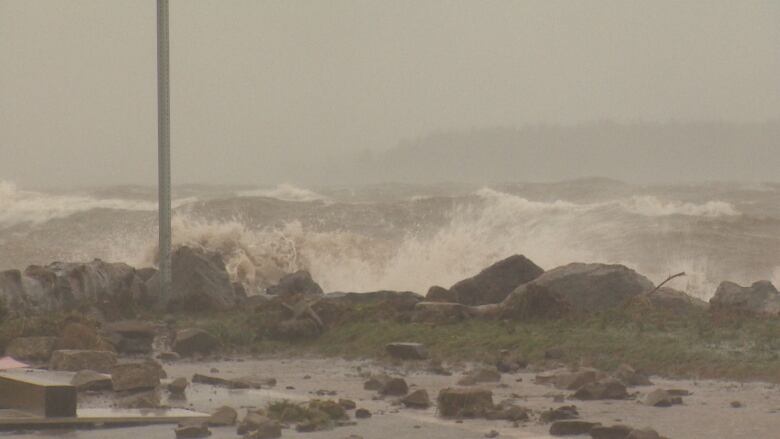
259 85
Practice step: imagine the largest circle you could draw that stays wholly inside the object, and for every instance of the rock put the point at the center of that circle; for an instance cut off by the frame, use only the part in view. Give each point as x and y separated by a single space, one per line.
223 416
418 399
234 383
31 348
508 411
587 287
192 431
168 356
534 302
478 376
268 432
630 377
440 312
13 294
199 282
348 404
144 400
571 428
611 432
559 414
575 380
736 404
464 403
77 335
662 398
135 376
440 294
761 298
76 360
375 382
131 336
435 366
646 433
669 301
178 386
496 282
394 387
407 351
362 414
509 363
299 282
604 389
491 434
264 426
90 380
194 341
333 409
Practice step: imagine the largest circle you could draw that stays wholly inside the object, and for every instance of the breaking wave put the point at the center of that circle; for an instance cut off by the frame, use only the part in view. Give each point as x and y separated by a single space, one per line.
654 206
284 192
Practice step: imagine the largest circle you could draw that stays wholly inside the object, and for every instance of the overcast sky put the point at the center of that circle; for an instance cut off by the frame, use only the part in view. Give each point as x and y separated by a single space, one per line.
256 84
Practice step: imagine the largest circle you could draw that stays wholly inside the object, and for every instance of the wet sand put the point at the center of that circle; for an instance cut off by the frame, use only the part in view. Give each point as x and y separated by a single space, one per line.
705 414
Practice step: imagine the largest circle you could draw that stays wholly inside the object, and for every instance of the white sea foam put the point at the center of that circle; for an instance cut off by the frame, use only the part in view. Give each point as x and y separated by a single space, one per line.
284 192
654 206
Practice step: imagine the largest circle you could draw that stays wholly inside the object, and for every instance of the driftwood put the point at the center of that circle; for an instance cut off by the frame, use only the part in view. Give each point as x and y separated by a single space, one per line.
666 281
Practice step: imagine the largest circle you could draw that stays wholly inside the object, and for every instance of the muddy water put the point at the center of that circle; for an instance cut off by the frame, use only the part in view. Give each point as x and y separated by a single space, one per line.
706 414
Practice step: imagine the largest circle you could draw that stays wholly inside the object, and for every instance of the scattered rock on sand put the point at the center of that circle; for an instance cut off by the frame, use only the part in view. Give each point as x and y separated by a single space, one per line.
194 341
418 399
263 426
559 414
76 360
394 387
192 431
464 403
135 376
611 432
605 389
90 380
178 386
571 428
223 416
662 398
362 414
631 377
407 351
482 375
31 348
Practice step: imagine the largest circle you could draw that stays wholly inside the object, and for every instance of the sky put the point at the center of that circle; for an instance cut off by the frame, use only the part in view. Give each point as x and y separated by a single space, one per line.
262 89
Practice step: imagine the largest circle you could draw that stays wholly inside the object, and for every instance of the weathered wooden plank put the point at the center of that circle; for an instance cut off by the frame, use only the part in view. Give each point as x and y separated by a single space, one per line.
97 417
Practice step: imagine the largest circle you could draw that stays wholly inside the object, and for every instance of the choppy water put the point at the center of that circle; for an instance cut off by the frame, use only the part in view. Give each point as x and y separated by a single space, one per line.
399 236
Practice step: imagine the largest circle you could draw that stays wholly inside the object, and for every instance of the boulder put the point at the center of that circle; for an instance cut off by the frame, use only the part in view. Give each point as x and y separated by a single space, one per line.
178 386
440 294
508 411
143 400
588 287
76 360
31 348
85 380
508 362
82 336
631 377
194 341
662 398
676 302
223 416
362 413
559 414
200 282
418 399
296 283
534 302
135 376
394 387
761 298
611 432
571 428
264 426
407 351
441 312
478 376
192 431
604 389
645 433
494 283
131 336
464 402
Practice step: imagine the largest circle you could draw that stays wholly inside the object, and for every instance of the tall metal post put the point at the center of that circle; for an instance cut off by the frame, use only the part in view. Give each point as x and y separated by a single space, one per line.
164 150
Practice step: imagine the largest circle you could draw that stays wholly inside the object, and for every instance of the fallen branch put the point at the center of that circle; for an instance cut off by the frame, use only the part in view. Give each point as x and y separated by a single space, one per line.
666 281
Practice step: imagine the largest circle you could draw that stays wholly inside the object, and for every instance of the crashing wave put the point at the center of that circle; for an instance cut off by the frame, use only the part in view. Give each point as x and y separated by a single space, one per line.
284 192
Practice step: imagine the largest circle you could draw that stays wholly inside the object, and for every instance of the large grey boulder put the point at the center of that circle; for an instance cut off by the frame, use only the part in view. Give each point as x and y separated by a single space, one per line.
589 287
200 282
299 282
496 282
761 298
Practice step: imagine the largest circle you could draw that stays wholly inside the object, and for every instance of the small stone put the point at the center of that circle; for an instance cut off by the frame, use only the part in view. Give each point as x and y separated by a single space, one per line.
491 434
362 414
192 431
223 416
418 399
262 426
178 386
348 404
395 387
571 428
736 404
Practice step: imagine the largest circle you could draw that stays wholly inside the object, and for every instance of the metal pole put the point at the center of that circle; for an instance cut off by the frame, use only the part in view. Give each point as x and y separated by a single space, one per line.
164 150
